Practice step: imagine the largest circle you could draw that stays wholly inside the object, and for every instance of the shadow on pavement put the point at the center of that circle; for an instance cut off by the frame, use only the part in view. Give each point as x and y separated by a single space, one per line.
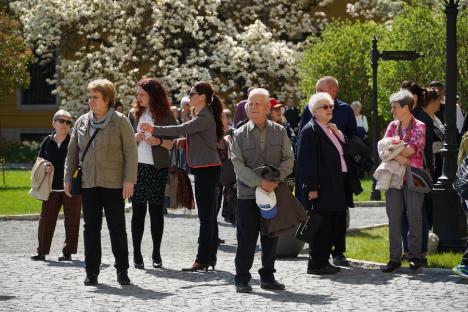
196 277
287 296
71 264
227 248
130 291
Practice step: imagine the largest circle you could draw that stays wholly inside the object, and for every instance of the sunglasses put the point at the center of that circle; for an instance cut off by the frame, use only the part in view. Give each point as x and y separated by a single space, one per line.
327 107
64 121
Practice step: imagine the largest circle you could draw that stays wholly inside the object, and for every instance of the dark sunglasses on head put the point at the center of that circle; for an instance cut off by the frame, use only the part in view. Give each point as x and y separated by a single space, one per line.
327 107
64 121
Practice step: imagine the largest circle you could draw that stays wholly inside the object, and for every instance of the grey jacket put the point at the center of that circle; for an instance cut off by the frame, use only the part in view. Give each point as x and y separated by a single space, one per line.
202 142
112 158
161 156
246 155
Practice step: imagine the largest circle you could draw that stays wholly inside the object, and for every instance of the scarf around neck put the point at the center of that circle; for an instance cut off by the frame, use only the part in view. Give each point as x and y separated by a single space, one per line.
101 124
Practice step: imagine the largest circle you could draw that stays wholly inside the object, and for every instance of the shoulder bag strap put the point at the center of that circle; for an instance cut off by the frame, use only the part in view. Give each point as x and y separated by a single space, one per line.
89 144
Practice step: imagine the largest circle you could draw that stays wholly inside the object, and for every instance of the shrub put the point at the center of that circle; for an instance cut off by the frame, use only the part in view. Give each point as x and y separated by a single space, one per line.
24 152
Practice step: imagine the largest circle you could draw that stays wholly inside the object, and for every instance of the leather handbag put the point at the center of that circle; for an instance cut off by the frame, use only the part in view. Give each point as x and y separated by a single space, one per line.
77 175
308 230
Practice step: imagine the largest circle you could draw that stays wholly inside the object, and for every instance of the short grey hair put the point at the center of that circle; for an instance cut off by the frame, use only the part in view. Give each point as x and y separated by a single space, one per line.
317 99
356 104
258 91
402 97
61 113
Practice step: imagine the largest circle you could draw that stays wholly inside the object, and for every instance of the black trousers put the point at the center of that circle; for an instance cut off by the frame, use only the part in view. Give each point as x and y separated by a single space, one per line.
94 200
138 227
320 249
248 228
206 196
339 234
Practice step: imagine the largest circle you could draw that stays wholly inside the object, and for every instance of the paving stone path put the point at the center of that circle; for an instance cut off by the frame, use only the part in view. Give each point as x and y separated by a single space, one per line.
26 285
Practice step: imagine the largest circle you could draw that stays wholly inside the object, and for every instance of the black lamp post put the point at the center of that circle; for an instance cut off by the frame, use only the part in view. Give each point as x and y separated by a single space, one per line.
449 218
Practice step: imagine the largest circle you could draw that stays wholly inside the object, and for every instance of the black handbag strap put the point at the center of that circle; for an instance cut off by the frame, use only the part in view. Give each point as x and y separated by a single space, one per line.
88 145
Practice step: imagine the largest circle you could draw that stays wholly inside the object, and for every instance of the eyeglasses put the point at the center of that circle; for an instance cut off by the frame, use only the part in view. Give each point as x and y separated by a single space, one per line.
64 121
327 107
192 93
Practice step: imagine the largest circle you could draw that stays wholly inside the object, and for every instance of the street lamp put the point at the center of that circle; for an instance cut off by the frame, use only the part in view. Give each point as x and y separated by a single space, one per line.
449 218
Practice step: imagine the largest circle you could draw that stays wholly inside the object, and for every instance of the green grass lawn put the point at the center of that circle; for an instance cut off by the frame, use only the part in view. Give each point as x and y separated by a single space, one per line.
372 245
14 198
366 184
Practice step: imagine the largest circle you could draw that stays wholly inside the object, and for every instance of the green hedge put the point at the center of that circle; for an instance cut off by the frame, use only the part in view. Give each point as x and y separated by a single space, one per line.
24 152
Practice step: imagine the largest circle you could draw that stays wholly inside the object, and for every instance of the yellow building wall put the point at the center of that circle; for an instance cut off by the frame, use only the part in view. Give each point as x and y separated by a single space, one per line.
13 117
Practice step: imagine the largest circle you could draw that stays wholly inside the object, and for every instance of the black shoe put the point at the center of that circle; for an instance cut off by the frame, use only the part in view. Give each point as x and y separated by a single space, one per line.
221 241
415 265
122 277
38 258
324 270
157 265
272 285
65 257
340 260
138 261
390 267
139 266
91 279
243 288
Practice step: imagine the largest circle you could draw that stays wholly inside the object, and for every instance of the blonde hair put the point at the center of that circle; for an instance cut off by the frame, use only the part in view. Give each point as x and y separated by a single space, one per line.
106 88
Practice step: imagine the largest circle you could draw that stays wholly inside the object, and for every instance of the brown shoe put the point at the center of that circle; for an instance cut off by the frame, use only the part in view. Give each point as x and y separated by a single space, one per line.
390 267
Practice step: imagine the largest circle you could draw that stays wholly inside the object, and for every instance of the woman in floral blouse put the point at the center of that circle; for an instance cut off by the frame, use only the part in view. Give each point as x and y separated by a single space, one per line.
412 131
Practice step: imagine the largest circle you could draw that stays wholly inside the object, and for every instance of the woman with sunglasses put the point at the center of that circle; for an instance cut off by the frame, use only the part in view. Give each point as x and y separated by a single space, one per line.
203 132
54 150
323 178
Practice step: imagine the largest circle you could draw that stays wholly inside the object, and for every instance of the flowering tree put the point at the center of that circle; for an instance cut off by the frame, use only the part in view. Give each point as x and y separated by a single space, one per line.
233 44
14 56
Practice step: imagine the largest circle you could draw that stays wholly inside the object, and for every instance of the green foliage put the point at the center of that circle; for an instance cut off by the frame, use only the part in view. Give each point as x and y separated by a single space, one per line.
422 28
343 51
344 48
14 56
25 152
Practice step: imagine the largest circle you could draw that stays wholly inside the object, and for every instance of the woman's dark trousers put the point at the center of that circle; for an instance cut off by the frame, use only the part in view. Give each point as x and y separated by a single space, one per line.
206 196
94 200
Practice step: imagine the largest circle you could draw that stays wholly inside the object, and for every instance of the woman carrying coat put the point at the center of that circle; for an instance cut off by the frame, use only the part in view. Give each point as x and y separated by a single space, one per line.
152 105
323 178
54 150
109 171
203 132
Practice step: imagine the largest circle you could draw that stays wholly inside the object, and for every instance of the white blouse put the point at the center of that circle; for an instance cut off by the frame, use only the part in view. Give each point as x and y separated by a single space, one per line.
145 154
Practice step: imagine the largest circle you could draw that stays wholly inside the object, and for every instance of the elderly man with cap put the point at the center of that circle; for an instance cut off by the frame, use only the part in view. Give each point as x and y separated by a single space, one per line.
258 142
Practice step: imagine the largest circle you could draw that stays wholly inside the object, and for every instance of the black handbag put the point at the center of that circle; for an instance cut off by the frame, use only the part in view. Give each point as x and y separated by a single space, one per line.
419 180
77 175
308 230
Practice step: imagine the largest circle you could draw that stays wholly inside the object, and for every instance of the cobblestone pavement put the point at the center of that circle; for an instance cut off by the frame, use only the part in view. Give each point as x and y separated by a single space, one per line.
26 285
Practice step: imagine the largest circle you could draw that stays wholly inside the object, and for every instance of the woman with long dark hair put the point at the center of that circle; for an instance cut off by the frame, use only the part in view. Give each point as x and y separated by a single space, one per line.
151 105
203 132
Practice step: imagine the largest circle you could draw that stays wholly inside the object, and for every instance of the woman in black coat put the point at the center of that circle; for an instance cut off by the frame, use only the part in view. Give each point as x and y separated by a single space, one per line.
323 179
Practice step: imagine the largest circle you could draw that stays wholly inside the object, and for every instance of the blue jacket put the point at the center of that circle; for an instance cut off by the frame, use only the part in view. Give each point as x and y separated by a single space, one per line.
343 117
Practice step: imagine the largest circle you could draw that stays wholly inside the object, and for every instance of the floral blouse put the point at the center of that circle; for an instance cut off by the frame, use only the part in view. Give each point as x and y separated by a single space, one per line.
416 139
